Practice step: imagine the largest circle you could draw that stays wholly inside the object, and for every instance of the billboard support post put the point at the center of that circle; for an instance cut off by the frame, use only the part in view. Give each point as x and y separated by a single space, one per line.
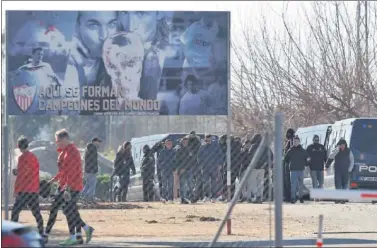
228 141
228 170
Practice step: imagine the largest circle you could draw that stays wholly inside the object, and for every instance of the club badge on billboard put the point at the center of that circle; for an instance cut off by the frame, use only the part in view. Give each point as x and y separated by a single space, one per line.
24 96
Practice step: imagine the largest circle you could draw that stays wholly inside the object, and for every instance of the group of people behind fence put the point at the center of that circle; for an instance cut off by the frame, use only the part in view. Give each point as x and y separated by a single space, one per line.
198 167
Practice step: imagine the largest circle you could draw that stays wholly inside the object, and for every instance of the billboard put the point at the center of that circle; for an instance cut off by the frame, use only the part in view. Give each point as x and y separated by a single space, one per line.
117 62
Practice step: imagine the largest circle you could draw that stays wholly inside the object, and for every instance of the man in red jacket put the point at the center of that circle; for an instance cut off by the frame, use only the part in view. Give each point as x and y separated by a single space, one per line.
27 184
70 185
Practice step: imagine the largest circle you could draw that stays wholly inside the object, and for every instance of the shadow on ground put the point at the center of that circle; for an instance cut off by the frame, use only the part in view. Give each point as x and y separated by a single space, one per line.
257 243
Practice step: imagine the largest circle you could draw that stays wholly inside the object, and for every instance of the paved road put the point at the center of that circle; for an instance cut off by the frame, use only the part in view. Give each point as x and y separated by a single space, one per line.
330 241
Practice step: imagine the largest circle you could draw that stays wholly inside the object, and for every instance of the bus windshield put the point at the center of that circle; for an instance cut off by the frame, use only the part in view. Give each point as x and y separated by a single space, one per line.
364 136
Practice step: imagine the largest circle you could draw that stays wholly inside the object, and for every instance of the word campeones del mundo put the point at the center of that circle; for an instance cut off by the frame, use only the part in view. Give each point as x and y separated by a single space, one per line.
99 99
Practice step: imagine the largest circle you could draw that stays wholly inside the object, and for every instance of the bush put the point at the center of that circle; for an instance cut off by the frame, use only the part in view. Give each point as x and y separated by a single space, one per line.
54 186
103 186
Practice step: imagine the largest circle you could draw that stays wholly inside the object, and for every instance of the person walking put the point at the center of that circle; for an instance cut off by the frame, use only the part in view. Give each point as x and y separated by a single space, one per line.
70 185
91 170
297 159
27 185
210 158
123 163
344 162
148 168
318 156
167 164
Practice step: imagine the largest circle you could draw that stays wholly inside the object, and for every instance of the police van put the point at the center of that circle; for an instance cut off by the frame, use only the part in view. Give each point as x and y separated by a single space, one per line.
361 137
135 188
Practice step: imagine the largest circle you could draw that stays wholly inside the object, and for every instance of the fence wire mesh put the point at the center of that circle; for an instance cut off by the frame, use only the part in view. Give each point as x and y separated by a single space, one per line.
171 171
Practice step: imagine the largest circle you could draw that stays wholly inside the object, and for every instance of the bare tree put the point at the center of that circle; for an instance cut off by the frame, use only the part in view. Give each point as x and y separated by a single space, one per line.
322 78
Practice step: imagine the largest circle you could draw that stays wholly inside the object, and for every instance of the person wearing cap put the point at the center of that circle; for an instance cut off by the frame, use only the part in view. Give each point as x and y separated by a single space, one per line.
344 162
91 170
27 184
318 156
297 158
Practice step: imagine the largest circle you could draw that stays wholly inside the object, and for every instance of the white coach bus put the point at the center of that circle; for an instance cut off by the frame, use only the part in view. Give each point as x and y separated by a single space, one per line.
361 137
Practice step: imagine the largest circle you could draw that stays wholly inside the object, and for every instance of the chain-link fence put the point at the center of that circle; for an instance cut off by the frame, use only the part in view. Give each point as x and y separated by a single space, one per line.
165 187
134 161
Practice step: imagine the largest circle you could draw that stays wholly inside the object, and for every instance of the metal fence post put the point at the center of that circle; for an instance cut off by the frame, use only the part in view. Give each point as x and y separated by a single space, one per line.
278 176
237 194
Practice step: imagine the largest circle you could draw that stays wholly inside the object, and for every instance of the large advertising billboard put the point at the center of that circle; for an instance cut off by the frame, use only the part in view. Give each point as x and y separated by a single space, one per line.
117 62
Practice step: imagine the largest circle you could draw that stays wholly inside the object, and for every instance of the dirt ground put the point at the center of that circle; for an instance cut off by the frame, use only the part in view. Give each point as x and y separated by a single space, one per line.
249 221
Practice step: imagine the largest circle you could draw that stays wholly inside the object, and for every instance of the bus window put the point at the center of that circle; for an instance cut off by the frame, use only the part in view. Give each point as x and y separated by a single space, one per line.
333 140
364 136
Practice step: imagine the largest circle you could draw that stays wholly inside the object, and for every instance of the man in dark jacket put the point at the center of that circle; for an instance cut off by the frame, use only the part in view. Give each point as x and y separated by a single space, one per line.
194 144
166 163
287 174
123 163
147 170
91 170
297 158
210 159
182 159
344 162
318 155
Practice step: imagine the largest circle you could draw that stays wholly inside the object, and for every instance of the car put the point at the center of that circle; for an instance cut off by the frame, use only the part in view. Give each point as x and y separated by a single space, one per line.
135 189
14 234
39 143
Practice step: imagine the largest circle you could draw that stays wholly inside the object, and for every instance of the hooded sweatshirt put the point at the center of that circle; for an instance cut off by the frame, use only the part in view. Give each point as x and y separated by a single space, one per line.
344 160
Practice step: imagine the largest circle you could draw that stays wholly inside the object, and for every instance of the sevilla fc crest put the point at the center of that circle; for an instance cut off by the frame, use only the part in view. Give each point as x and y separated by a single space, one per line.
24 96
